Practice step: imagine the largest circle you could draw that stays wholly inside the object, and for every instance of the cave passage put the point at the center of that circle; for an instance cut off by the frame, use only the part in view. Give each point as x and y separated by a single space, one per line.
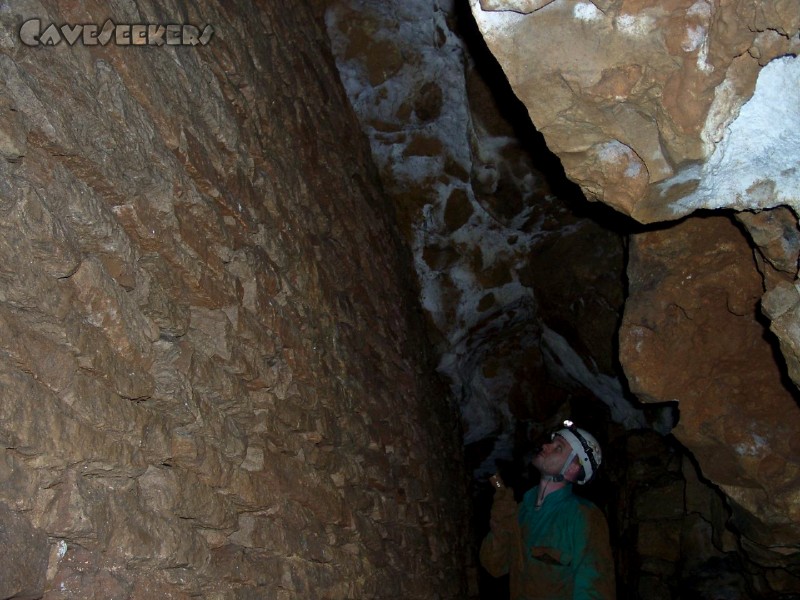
275 305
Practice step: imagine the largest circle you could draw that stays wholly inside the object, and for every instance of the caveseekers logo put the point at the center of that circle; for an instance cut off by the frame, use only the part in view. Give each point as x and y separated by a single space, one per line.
140 34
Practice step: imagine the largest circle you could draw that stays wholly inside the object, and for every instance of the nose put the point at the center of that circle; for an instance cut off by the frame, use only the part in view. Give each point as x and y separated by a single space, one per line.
547 448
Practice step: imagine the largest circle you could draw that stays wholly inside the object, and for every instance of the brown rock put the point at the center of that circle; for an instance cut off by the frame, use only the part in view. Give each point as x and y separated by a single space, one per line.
659 540
204 308
13 136
428 103
690 336
666 83
26 551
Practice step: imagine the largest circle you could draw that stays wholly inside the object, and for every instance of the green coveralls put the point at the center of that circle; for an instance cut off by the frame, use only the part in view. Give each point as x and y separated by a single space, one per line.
559 552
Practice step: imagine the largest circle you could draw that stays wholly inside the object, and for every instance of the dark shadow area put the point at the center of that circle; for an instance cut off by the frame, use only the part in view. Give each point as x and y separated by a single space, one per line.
777 354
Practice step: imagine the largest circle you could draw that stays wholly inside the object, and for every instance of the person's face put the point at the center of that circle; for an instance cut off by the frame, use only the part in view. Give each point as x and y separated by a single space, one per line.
551 457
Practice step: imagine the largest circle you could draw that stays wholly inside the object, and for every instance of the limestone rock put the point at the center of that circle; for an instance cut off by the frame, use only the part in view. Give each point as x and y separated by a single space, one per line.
486 228
520 6
13 137
690 336
660 110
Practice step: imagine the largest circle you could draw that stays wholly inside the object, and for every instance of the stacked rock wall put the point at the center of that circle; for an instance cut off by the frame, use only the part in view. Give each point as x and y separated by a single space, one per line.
214 381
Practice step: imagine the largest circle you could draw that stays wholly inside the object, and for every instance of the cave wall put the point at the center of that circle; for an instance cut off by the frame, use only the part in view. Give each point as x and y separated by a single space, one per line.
694 295
214 375
659 110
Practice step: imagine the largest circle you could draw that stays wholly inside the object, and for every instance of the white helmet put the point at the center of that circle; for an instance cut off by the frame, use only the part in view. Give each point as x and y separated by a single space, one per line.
584 446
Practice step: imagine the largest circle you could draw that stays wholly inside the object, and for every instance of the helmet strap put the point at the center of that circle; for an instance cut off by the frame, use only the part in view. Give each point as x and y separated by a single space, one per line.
567 463
543 490
546 480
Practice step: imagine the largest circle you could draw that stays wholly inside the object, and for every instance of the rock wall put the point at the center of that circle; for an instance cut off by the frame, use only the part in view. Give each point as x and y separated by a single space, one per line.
214 377
670 526
694 294
660 110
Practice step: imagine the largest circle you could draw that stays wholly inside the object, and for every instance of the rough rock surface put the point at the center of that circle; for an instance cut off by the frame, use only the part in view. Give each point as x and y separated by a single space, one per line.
650 108
690 336
672 539
213 377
